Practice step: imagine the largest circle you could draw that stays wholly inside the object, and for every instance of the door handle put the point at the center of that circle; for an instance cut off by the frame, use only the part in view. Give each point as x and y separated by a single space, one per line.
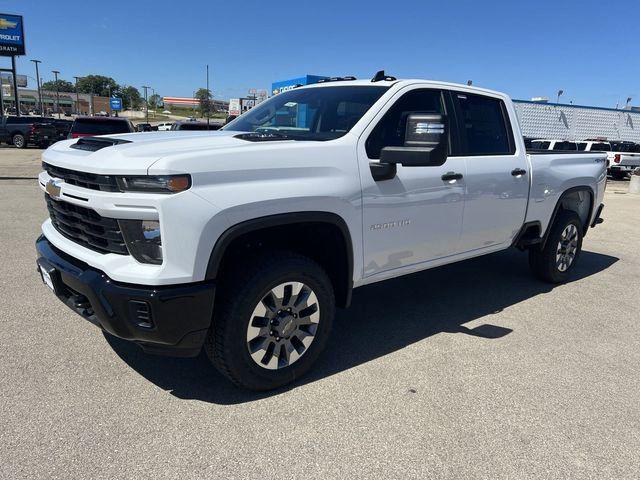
449 176
518 172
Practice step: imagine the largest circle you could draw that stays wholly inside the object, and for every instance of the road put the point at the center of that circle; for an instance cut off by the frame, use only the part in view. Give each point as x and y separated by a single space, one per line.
473 370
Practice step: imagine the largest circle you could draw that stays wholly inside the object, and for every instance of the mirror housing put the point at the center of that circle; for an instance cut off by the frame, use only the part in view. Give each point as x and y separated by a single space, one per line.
425 142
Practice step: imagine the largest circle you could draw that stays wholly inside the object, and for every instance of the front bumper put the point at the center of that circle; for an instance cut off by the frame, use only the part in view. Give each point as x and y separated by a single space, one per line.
168 320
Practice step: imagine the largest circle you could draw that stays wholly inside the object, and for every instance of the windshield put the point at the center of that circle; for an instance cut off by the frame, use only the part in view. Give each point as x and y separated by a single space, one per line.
309 114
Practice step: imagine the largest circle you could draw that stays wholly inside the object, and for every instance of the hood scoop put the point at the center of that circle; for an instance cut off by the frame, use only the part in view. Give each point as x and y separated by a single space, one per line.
93 144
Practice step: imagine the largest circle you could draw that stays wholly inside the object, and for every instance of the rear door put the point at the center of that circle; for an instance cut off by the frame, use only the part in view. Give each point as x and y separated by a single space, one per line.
497 172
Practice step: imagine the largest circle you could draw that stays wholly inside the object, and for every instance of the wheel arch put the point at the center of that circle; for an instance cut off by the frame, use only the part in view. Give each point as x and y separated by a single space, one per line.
340 269
570 200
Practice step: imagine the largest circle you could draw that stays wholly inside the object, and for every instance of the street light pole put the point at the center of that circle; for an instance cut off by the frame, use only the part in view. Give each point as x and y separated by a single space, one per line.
77 96
55 73
146 103
560 92
36 62
208 99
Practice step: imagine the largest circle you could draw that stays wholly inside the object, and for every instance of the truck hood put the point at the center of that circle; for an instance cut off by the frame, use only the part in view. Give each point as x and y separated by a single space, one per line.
141 151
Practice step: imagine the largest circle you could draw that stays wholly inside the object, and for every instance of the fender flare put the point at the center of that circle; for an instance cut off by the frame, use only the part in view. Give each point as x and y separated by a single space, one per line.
581 188
254 224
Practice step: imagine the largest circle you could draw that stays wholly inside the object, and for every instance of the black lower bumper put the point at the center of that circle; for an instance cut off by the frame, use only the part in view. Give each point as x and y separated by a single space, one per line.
168 320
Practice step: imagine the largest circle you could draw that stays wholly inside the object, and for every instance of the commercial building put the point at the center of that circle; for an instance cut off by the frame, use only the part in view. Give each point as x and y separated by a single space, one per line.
83 103
189 102
284 85
540 119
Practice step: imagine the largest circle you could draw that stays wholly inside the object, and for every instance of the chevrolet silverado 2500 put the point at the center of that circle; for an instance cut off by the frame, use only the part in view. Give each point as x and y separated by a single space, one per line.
244 241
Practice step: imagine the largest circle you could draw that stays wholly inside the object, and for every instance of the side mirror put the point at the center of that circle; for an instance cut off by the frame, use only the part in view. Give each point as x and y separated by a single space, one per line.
425 142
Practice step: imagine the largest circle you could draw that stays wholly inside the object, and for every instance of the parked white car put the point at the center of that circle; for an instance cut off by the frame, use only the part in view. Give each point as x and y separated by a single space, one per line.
163 127
281 214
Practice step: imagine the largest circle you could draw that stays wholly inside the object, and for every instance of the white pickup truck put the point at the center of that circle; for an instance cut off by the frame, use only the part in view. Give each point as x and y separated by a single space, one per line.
243 241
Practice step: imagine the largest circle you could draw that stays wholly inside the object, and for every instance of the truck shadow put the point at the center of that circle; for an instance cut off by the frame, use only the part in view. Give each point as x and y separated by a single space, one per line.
383 318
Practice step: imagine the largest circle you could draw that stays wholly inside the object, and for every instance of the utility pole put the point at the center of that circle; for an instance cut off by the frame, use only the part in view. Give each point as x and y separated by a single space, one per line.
560 92
146 103
15 84
55 73
77 96
36 62
209 102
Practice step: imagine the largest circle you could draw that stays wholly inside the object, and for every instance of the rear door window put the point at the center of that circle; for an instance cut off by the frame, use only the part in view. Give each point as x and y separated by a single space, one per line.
484 125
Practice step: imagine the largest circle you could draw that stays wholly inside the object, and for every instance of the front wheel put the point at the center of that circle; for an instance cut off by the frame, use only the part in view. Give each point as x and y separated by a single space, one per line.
558 258
19 141
271 321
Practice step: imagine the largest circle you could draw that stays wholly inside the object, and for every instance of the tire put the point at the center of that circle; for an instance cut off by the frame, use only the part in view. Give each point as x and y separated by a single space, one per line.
555 262
617 175
19 140
242 321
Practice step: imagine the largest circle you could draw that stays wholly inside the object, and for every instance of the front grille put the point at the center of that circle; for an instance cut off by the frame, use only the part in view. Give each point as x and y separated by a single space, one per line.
92 181
86 227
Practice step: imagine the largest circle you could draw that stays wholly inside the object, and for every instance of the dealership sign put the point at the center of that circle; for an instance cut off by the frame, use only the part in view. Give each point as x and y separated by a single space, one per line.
234 106
11 35
115 103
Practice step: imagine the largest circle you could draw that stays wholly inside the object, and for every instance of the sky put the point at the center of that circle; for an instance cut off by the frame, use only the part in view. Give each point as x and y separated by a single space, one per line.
587 48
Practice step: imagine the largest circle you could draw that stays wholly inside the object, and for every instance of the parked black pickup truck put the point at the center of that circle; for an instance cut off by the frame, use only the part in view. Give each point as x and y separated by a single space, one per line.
24 131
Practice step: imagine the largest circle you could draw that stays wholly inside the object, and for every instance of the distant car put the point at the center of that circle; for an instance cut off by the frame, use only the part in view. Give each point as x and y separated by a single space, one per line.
143 127
24 131
163 127
90 126
191 119
194 126
167 112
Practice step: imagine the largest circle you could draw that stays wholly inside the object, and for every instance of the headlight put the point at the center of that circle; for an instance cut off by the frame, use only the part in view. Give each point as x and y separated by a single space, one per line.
155 184
143 240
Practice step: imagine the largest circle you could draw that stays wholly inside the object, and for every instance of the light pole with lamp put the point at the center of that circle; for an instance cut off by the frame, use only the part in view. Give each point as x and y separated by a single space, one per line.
77 96
560 92
36 62
55 73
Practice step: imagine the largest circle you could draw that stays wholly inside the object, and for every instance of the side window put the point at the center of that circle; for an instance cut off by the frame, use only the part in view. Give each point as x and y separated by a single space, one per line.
484 126
390 130
582 145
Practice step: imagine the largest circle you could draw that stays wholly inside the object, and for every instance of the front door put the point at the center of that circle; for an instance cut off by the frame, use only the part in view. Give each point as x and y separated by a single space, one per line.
416 216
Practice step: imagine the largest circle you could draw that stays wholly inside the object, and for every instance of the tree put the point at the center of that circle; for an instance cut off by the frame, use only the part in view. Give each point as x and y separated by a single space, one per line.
98 85
205 98
131 97
154 100
63 86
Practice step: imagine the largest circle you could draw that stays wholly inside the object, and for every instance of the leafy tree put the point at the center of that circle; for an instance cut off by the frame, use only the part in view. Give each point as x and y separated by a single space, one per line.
98 85
131 97
154 100
63 86
205 98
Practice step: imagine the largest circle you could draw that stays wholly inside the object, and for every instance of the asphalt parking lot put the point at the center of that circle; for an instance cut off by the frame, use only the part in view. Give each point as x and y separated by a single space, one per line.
473 370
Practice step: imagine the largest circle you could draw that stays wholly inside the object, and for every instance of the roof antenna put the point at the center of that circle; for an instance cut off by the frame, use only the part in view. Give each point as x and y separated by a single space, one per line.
380 75
469 82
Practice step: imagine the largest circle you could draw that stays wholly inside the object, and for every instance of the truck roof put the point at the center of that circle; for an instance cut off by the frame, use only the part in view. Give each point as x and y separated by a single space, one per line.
404 82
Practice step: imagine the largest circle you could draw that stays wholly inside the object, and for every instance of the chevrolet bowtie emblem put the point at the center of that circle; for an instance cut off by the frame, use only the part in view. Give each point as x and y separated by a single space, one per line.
53 189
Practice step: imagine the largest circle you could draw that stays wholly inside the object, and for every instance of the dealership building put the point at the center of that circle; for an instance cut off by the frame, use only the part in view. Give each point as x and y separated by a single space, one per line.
544 120
82 103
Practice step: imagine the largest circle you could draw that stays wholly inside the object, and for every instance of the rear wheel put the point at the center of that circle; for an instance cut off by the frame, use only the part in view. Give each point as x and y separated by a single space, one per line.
556 260
271 321
618 175
19 140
